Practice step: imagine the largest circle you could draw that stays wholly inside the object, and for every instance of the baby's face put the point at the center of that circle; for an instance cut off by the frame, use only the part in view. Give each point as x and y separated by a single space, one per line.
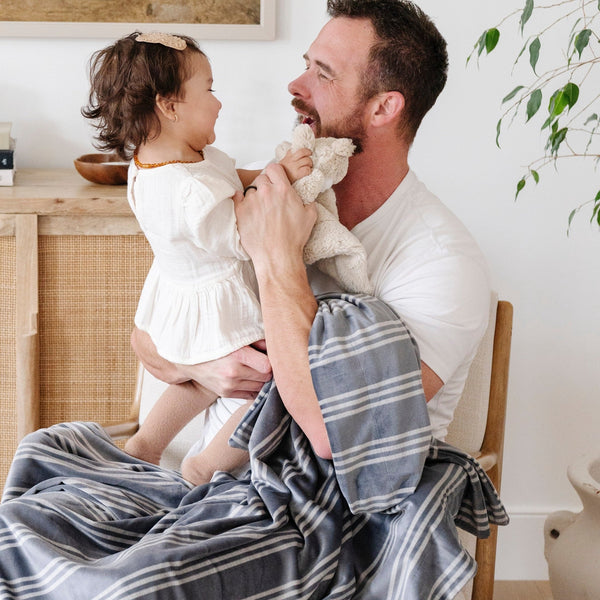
199 108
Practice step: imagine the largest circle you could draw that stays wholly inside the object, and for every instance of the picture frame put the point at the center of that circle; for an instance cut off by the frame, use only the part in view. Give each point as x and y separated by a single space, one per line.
264 30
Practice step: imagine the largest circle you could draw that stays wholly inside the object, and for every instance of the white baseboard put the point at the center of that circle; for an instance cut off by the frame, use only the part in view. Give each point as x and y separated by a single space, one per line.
520 553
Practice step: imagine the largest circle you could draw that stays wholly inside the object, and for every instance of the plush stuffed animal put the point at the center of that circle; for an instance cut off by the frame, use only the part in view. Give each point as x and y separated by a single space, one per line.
331 247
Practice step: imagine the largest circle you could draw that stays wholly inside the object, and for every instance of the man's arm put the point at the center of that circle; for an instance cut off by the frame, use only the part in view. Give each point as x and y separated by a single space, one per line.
240 374
274 226
431 382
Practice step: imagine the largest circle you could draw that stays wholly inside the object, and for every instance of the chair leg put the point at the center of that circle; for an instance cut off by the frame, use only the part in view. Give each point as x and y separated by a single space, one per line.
483 587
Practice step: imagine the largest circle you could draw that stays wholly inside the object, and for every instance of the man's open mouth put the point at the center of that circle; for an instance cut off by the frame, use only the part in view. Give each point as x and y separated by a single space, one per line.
304 117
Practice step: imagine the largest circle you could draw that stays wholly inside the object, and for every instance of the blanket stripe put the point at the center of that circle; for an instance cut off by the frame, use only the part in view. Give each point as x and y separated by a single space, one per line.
80 519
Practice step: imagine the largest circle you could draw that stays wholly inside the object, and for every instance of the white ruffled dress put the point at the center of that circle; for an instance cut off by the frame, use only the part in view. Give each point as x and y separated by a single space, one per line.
199 301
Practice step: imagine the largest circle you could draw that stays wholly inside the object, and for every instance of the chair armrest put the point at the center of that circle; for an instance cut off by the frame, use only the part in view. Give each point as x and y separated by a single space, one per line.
487 460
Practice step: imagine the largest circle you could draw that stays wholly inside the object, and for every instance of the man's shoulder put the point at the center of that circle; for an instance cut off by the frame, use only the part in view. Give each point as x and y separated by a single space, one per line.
412 204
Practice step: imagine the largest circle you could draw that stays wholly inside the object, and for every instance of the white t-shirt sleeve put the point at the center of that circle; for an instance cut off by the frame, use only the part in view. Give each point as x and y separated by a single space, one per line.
425 264
444 304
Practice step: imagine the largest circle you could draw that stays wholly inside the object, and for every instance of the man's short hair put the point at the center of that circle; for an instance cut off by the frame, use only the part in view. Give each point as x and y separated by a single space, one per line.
409 56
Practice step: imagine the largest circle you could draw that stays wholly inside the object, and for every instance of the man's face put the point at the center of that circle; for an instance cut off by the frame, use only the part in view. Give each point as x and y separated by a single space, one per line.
328 95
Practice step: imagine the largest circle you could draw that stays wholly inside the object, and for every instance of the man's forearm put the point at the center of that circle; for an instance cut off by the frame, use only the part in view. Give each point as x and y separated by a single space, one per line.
274 225
145 350
240 374
289 308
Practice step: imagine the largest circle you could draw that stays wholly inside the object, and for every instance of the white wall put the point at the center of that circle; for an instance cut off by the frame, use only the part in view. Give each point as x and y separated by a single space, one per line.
551 279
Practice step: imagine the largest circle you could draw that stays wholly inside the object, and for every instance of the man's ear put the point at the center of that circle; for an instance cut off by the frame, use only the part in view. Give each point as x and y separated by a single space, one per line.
387 107
166 107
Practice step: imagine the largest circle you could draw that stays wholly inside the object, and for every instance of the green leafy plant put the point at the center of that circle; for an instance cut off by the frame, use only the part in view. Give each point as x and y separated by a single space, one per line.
565 94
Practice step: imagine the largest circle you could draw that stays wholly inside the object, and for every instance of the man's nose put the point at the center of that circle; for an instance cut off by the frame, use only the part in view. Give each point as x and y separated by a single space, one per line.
298 87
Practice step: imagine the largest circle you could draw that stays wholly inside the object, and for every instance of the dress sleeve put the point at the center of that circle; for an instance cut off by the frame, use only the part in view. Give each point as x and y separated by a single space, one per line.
210 216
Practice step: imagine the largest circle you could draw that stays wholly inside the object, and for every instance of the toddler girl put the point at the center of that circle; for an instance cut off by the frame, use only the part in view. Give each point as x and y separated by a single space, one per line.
151 97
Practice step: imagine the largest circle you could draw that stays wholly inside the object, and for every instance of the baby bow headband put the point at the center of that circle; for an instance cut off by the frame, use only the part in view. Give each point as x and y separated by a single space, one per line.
166 39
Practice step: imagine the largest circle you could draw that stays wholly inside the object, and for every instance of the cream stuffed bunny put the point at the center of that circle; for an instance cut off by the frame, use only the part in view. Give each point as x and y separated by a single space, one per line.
331 247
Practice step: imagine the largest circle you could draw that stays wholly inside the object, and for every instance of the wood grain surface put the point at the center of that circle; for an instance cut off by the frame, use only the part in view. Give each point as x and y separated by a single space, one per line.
244 12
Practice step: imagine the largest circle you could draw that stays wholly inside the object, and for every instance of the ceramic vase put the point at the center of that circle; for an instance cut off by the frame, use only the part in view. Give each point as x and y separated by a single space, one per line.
572 540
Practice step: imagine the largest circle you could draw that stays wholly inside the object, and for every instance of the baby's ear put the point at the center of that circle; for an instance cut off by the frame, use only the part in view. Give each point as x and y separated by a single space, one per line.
166 107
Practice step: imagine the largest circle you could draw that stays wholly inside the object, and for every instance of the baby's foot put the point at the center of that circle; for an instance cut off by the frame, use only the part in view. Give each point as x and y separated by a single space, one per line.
139 447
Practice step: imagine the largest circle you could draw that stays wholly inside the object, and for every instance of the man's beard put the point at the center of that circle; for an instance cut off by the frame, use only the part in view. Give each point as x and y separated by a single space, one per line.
343 128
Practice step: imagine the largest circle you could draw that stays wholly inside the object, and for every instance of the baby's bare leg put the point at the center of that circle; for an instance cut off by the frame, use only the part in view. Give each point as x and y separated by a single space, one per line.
218 455
175 408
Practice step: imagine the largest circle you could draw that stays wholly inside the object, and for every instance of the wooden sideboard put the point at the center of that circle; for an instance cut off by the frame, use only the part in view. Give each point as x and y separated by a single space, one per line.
72 263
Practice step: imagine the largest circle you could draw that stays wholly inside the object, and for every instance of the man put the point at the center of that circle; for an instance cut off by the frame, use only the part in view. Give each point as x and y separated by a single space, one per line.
372 74
82 519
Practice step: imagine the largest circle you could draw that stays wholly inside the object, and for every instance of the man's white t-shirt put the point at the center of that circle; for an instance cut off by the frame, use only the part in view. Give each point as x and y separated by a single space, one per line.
424 263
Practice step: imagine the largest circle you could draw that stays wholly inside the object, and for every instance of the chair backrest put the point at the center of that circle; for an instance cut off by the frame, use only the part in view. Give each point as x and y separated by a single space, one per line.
478 427
479 420
467 429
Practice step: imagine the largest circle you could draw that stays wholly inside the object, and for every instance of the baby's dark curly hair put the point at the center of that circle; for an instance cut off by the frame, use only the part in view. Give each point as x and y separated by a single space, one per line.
125 79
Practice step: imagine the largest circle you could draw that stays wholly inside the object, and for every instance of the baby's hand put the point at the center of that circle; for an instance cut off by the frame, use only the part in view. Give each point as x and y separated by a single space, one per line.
297 164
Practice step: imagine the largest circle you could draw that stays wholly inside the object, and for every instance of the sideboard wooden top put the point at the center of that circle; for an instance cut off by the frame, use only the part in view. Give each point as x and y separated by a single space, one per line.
61 192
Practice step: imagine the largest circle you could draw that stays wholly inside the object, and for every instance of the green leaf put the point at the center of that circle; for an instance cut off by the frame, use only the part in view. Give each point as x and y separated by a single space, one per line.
512 94
591 118
521 53
572 92
534 53
535 175
571 217
549 119
526 14
520 186
535 101
481 43
561 99
498 129
555 139
558 103
492 37
596 211
572 37
582 40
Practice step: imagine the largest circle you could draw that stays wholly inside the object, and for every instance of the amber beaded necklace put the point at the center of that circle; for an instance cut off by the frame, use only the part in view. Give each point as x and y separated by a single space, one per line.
141 165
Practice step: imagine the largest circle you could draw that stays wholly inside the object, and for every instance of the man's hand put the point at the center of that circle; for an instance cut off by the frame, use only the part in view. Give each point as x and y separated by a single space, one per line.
240 374
273 223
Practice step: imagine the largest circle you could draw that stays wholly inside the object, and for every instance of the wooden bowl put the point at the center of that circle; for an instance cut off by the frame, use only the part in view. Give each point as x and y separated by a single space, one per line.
102 168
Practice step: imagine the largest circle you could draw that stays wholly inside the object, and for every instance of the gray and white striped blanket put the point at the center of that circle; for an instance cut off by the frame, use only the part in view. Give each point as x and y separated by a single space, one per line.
80 519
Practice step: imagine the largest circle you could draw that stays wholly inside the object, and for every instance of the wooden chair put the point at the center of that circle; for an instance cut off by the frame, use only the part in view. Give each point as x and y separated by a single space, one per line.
478 427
